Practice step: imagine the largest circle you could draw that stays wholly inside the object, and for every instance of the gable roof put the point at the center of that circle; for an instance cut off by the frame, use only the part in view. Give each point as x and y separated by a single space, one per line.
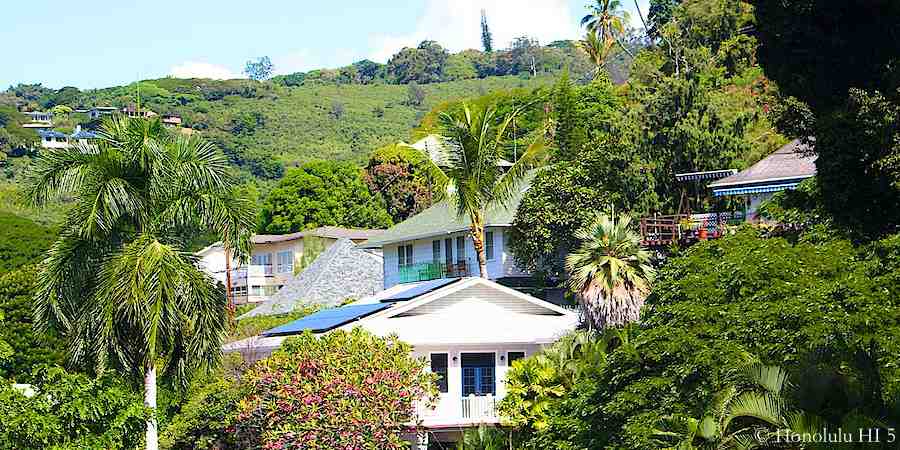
790 163
342 271
472 311
440 219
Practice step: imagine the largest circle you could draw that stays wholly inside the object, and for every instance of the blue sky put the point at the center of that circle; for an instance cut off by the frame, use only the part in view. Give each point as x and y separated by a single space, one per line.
101 43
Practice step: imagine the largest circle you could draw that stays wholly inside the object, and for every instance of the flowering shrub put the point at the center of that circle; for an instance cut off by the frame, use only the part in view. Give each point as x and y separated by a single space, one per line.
343 390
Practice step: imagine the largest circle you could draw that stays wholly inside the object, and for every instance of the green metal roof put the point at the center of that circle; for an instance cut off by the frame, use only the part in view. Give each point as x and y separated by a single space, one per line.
441 219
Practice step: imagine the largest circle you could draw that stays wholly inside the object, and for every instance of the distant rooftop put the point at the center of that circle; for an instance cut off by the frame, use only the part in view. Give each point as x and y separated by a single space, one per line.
441 218
793 162
332 232
51 134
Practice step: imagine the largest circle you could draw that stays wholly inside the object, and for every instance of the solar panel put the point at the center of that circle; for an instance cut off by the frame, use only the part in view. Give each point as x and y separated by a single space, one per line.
327 319
419 289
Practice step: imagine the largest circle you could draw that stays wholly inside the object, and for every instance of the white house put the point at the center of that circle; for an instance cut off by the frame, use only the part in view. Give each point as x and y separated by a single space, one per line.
437 243
467 330
274 260
53 139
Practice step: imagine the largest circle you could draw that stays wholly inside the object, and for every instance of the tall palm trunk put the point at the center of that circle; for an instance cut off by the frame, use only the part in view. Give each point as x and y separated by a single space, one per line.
477 230
151 437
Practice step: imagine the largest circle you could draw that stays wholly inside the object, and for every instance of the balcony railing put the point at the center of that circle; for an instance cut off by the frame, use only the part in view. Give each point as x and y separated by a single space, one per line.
479 407
663 230
436 270
253 270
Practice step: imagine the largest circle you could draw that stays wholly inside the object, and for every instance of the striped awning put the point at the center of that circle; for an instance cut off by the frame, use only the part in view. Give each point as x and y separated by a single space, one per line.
708 175
754 189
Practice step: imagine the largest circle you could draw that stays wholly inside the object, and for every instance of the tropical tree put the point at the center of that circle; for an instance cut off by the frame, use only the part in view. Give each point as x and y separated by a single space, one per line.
610 272
598 50
748 414
484 437
607 20
118 281
471 177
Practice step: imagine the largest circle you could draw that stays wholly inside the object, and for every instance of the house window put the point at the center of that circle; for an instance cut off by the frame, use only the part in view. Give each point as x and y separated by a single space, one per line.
513 356
256 291
404 255
448 251
239 291
478 374
436 251
285 262
261 259
270 290
489 245
439 366
461 248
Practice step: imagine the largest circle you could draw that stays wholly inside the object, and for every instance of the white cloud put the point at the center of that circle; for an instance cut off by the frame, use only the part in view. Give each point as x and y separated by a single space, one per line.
197 69
456 24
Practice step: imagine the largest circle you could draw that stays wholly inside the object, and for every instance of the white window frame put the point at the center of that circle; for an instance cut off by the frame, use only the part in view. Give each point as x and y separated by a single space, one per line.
489 244
284 267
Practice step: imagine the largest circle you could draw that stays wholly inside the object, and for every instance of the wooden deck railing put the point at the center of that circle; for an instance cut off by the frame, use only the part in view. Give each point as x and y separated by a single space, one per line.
662 230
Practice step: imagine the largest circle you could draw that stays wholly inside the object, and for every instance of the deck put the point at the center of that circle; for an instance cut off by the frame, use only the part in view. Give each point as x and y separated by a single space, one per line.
665 230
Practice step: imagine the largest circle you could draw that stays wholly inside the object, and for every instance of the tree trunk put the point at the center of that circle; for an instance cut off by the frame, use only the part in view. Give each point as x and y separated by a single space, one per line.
152 437
477 230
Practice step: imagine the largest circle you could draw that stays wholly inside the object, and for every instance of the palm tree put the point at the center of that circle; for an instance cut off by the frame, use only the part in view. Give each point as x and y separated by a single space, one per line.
470 177
750 414
597 50
607 20
118 280
610 273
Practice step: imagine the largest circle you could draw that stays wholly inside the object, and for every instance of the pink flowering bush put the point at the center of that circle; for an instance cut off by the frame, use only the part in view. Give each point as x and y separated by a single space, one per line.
343 390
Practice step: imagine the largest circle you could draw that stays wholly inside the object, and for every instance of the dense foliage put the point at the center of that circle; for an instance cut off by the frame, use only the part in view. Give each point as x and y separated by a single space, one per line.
342 390
21 241
398 174
204 419
30 347
848 99
322 193
810 307
71 411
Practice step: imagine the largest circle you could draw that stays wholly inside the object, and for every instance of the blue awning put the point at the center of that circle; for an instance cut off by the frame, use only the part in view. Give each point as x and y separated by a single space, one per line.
327 319
754 189
707 175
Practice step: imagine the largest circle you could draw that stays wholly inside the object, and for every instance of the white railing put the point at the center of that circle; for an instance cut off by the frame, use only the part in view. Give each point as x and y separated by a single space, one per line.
475 407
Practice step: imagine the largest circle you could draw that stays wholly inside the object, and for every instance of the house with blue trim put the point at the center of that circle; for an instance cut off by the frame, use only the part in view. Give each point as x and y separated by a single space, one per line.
467 330
782 170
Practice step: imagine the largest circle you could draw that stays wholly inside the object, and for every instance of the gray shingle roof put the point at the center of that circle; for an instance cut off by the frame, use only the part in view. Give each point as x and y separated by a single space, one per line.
441 219
791 162
342 271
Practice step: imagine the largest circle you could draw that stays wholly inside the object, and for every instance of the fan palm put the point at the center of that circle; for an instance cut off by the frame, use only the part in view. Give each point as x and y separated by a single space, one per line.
607 20
470 177
118 280
610 272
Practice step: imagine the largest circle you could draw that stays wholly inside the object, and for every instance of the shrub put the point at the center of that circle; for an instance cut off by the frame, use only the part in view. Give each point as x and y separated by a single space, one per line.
343 390
204 420
71 411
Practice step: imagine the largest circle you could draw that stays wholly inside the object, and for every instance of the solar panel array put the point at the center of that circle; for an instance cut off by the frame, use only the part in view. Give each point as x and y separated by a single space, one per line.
419 289
327 319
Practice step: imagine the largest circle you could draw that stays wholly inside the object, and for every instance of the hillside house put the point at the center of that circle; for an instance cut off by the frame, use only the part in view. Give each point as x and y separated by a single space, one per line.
134 111
44 117
53 139
782 170
274 260
171 120
436 243
468 330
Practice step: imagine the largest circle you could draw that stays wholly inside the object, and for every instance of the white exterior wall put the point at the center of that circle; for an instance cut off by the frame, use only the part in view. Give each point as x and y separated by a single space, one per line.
213 262
502 265
449 407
